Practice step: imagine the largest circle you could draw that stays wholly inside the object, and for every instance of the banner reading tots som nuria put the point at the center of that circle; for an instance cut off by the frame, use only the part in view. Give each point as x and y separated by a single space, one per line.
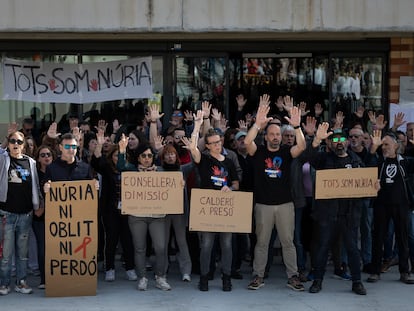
77 83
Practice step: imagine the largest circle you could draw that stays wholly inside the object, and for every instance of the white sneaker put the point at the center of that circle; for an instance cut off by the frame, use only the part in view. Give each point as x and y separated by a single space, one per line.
143 283
4 290
131 275
161 283
186 277
23 288
110 275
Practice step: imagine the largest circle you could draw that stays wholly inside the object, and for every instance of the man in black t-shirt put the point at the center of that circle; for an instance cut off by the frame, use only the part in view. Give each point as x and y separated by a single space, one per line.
274 206
392 203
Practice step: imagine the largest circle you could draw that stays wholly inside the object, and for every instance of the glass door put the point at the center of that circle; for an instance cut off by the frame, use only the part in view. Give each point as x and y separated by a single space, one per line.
198 79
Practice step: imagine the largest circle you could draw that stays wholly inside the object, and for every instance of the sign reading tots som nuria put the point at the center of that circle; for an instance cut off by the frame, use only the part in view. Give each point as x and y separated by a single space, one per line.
77 83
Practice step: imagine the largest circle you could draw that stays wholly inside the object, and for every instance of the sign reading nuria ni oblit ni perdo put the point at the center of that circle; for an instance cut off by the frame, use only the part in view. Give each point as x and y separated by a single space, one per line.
71 239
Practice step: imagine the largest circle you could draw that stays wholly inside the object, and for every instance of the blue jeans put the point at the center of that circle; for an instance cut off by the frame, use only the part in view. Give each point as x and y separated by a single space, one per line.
14 235
206 245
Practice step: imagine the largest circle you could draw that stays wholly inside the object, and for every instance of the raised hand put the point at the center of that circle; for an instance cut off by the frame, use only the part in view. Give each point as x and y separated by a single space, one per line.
322 131
158 142
242 126
294 119
123 143
206 107
380 122
102 125
215 114
188 115
261 116
100 136
302 108
288 103
376 139
310 126
399 120
339 120
318 109
264 100
154 112
52 131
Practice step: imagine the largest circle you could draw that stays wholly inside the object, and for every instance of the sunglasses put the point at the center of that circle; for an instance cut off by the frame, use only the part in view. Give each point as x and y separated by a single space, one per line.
215 143
177 114
45 155
146 155
67 146
339 139
14 141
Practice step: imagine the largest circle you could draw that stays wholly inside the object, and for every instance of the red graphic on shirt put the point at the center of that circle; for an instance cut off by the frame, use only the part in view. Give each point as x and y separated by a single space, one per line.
269 163
216 171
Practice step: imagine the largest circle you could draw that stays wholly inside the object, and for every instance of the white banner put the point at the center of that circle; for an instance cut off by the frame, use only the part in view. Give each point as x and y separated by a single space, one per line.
77 83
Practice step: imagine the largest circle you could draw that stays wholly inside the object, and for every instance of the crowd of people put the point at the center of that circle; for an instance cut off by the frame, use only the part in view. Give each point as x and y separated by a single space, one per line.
274 152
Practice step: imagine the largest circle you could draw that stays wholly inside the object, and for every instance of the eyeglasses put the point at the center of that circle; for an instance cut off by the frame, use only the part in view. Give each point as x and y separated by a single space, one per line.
14 141
339 139
178 114
67 146
45 155
354 136
146 155
215 143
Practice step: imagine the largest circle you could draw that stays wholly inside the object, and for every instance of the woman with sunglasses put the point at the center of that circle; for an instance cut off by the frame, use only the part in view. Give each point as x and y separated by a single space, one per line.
44 156
19 196
139 225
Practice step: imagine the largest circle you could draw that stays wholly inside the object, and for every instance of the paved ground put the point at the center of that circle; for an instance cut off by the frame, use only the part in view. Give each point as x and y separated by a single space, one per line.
388 294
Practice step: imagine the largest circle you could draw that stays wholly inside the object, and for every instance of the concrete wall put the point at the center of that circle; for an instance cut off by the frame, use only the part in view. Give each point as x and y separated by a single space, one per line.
206 15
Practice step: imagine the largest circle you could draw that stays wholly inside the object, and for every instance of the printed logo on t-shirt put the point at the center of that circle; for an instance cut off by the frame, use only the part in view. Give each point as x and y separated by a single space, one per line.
390 172
219 177
18 175
272 167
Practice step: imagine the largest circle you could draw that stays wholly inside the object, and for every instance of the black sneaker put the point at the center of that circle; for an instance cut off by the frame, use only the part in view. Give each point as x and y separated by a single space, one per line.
406 278
316 287
203 284
236 275
295 284
358 288
226 283
373 278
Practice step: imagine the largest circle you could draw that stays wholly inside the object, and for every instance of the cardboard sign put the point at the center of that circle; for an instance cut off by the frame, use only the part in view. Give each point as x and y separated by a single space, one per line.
144 193
71 239
218 211
346 183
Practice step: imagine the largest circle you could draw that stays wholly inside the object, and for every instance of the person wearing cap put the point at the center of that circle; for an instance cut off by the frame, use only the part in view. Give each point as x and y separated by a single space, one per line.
394 201
274 204
335 215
